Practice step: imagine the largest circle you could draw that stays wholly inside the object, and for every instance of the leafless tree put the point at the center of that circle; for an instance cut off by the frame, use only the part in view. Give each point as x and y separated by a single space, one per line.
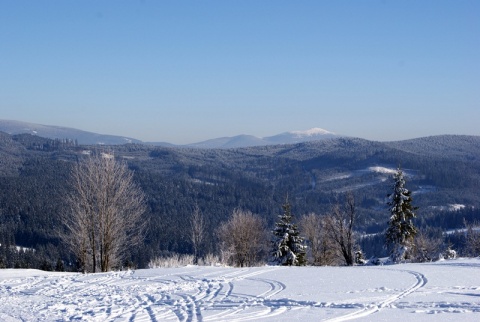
427 247
340 223
472 238
106 209
320 250
197 232
243 239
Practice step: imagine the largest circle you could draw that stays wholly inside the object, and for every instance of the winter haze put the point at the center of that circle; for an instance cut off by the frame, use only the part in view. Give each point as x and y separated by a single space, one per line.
190 72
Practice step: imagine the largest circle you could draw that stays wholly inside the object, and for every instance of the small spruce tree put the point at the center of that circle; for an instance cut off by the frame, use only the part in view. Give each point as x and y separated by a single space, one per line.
288 246
401 230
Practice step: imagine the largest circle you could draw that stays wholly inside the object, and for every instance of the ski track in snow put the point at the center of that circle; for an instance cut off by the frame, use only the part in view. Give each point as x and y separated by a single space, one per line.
217 294
124 297
421 280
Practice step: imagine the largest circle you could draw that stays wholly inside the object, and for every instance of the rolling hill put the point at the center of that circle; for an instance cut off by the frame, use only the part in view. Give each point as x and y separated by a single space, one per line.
443 172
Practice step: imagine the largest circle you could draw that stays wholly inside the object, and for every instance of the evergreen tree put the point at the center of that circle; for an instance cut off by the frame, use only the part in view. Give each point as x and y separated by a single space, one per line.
401 230
288 246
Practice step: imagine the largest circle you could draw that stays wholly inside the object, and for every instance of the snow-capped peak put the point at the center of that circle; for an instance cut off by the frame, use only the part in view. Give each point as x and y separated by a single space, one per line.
311 132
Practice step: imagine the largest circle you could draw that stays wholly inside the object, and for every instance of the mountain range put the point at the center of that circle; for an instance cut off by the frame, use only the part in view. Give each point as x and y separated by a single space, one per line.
62 133
442 172
243 141
91 138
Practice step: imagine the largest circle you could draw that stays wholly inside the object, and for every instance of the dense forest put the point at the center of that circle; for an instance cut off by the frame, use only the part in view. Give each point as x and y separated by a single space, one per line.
443 172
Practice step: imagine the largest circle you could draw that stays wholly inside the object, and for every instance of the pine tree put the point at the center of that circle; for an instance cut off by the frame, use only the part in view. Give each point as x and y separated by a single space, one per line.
288 245
401 230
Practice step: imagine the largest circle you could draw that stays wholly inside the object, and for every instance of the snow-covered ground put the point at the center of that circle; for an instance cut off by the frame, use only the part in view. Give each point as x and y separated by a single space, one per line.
442 291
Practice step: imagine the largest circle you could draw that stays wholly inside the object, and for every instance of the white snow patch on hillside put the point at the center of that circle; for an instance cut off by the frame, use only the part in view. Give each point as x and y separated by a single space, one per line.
338 177
424 189
456 206
311 132
384 170
24 249
198 181
407 292
449 207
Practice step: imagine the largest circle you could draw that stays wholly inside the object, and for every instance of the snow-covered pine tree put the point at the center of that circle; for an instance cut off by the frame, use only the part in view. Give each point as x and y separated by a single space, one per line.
401 230
288 246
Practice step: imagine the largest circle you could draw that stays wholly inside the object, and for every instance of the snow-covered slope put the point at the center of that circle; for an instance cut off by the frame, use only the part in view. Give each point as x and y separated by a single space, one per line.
313 134
441 291
58 132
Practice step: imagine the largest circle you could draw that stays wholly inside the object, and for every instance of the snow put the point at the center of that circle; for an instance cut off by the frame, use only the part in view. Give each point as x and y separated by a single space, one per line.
441 291
107 155
382 170
456 206
461 230
198 181
311 132
23 249
449 207
338 177
424 189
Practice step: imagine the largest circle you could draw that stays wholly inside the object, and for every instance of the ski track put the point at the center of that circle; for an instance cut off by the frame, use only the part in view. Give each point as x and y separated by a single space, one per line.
121 296
211 296
421 281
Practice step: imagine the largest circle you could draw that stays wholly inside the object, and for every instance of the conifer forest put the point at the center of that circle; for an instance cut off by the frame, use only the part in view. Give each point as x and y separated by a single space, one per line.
192 201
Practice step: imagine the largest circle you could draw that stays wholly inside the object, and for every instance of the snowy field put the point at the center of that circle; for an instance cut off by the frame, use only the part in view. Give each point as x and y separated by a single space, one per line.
442 291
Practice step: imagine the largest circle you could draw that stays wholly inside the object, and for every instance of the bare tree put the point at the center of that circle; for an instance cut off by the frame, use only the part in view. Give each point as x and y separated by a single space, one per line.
340 225
243 238
428 244
320 250
472 238
197 232
105 213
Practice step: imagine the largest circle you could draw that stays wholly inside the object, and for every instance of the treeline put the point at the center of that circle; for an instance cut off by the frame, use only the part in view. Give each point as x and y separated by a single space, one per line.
34 176
45 256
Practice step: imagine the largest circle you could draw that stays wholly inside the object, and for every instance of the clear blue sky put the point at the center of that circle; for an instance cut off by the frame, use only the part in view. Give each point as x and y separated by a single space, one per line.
185 71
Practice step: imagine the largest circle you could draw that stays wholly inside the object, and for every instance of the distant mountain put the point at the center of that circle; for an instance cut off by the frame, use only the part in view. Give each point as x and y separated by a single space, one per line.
58 132
293 137
243 141
239 141
90 138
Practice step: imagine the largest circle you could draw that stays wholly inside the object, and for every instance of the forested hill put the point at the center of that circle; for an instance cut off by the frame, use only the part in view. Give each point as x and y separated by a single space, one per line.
443 172
460 147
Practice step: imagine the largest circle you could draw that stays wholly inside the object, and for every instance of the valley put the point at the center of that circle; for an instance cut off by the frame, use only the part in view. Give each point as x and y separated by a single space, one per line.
442 172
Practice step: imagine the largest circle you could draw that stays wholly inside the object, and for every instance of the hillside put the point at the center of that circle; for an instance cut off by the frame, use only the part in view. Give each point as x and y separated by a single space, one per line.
441 291
35 171
457 146
62 133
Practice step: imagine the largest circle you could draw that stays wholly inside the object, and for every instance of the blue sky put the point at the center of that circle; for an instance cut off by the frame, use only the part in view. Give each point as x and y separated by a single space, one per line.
186 71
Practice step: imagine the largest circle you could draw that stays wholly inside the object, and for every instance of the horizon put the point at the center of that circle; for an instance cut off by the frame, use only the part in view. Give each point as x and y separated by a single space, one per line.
306 132
189 72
